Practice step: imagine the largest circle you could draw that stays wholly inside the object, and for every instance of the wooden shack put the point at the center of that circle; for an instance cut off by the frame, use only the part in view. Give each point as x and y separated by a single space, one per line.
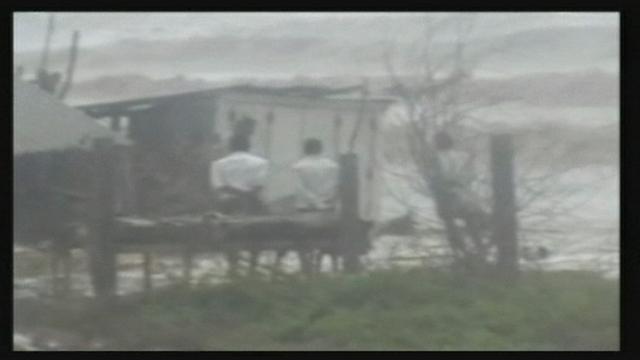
59 158
52 143
175 138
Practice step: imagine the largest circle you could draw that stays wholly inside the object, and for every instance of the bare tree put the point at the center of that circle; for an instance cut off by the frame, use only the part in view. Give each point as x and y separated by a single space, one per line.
438 95
434 100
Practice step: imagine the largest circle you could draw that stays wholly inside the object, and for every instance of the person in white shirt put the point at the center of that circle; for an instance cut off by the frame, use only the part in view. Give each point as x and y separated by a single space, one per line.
459 201
316 179
238 178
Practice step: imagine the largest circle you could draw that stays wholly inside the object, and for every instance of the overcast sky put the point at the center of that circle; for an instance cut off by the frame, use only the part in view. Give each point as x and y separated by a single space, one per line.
101 28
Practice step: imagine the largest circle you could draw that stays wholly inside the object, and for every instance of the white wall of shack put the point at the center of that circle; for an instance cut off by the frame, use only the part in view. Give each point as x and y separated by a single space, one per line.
291 125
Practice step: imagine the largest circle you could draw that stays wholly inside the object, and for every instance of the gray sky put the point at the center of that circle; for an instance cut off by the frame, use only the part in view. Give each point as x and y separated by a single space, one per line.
101 28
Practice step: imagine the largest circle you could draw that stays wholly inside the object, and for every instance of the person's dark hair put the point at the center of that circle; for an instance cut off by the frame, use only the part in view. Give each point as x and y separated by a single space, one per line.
245 126
239 143
443 141
312 146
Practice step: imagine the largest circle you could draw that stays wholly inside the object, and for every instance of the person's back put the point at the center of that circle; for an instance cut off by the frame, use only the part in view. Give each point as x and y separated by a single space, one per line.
454 166
455 177
455 170
240 170
317 179
238 178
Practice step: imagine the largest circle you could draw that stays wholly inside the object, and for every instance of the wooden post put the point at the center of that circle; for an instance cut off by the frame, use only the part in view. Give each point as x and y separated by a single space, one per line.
349 206
362 113
231 118
187 263
504 205
303 124
44 61
73 56
269 134
337 126
101 247
67 264
146 271
115 123
371 167
127 190
54 261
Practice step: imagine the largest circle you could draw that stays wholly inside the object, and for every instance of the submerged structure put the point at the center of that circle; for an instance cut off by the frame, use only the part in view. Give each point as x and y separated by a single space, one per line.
175 137
52 146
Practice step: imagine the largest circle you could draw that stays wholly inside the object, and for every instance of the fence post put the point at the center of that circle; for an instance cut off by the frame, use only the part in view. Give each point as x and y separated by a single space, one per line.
351 236
504 206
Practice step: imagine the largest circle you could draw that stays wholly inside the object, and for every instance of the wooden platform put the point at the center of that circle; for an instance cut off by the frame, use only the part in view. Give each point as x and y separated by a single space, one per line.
215 230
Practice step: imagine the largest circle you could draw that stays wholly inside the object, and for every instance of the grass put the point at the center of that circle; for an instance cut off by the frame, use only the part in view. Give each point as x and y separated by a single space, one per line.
386 310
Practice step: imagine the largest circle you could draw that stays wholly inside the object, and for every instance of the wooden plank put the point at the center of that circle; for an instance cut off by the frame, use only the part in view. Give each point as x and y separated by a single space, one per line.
263 231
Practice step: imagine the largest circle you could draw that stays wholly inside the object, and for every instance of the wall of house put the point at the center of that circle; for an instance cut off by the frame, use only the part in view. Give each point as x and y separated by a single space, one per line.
175 143
41 210
171 155
293 121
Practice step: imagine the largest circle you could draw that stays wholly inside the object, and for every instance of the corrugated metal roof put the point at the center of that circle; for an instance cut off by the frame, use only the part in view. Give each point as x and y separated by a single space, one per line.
275 94
41 122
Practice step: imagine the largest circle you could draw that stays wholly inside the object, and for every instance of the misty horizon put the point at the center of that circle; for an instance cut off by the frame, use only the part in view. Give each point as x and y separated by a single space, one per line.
281 45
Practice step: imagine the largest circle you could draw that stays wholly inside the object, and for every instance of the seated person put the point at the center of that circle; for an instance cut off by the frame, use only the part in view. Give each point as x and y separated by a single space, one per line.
456 175
238 178
316 179
316 191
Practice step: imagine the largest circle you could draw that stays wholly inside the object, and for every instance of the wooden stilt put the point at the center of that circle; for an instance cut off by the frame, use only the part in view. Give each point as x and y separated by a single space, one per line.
146 268
53 269
349 195
187 263
67 269
101 247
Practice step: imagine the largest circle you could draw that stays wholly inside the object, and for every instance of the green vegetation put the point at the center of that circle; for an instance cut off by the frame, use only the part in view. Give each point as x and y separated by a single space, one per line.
390 310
